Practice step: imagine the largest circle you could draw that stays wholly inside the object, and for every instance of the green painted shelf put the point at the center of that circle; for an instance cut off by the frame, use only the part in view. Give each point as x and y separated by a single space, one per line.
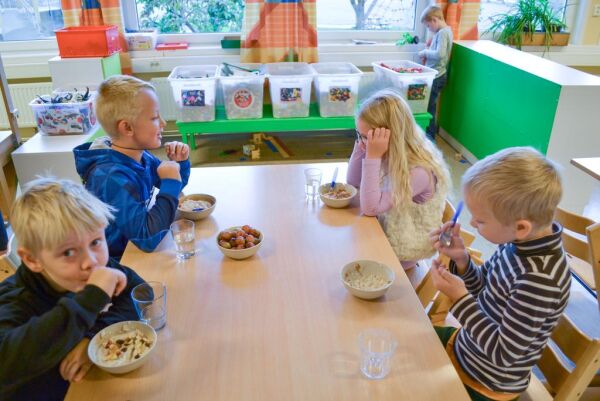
314 122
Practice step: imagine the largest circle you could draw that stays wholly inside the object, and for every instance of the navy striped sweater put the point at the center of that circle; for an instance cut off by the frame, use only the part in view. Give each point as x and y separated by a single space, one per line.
514 302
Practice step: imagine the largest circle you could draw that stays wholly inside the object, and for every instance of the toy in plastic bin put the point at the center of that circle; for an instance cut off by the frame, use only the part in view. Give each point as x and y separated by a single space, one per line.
64 112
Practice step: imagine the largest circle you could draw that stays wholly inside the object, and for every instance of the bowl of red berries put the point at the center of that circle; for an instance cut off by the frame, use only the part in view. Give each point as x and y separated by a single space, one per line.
240 242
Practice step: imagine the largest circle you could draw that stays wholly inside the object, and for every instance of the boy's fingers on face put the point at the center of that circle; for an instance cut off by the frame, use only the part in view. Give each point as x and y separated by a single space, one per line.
370 135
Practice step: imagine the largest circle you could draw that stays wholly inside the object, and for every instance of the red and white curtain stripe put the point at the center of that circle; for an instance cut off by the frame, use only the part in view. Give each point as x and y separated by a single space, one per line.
279 30
462 16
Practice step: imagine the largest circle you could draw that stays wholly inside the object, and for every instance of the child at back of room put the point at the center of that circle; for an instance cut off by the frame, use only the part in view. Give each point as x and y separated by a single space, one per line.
436 56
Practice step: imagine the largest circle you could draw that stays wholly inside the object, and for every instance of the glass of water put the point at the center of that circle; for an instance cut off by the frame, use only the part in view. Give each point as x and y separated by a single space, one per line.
313 181
377 346
184 236
150 301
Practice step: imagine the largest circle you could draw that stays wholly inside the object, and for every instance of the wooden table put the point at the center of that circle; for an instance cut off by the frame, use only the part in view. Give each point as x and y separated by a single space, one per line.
280 325
590 165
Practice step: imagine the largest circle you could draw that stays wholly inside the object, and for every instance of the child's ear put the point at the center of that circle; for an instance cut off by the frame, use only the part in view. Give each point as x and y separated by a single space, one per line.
30 259
124 128
523 229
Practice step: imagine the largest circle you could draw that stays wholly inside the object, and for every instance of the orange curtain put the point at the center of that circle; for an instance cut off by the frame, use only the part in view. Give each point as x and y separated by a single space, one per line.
279 30
462 16
98 12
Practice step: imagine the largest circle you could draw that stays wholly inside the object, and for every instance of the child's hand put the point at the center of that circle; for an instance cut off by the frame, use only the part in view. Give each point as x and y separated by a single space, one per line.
111 281
449 284
177 151
378 142
77 363
168 169
456 251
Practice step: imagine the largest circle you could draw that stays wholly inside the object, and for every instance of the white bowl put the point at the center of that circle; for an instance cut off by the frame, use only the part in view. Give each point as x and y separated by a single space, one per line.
240 253
367 268
190 215
337 203
113 330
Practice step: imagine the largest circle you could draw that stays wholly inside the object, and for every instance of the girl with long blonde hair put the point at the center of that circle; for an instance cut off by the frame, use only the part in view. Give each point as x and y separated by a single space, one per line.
402 176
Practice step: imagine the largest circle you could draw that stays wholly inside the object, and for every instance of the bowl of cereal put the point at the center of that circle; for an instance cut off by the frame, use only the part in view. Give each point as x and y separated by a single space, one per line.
339 196
367 279
196 207
122 347
239 242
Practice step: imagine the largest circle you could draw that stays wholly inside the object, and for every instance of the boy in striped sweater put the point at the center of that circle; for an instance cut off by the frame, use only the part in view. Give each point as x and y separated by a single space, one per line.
509 306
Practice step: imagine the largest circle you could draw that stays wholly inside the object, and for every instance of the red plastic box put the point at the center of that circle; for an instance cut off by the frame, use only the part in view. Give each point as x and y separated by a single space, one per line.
88 41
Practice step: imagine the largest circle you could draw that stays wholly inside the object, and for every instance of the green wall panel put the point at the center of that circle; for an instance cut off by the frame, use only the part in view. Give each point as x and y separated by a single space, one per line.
489 105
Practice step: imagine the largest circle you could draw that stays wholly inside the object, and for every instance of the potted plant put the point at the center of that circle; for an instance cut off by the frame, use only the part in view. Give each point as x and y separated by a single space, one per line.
529 22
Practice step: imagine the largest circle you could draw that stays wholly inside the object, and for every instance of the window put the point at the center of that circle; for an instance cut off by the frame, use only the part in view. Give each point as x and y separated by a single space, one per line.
395 15
29 19
489 8
184 16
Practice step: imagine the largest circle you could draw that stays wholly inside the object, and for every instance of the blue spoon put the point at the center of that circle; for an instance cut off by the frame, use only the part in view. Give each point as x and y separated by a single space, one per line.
446 235
334 178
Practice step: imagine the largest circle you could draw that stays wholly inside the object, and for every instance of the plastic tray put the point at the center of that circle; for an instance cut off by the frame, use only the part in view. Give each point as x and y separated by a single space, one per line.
243 92
414 87
194 90
290 85
337 88
65 118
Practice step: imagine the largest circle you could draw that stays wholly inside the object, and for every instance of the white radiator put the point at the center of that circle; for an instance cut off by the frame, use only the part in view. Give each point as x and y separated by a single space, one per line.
22 94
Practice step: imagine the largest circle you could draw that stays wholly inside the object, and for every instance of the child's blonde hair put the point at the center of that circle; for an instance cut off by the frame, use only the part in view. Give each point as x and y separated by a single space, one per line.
50 210
117 100
516 183
433 11
409 147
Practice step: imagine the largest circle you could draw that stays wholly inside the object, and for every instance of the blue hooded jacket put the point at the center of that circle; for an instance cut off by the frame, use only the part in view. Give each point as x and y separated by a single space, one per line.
128 186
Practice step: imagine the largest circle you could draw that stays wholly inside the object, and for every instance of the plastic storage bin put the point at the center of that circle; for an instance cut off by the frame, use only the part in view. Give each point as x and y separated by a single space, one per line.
337 88
194 90
290 85
142 40
88 41
65 118
243 92
415 87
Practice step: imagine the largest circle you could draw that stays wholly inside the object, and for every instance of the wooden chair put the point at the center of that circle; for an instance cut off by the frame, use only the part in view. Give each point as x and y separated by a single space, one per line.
581 240
563 382
8 175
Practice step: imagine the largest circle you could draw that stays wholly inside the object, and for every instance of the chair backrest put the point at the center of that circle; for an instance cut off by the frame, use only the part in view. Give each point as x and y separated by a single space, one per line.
565 382
581 241
11 252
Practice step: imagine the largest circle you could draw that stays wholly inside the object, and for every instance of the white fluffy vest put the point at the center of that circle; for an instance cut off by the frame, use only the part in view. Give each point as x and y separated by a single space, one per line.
407 227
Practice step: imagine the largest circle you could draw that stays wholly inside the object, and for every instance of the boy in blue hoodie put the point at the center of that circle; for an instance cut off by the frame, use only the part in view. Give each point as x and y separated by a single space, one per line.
121 172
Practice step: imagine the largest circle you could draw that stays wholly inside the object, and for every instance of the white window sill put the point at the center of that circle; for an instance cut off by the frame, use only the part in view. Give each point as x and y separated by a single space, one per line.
30 59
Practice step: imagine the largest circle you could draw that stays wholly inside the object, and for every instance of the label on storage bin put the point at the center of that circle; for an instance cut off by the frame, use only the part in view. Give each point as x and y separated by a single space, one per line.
243 98
339 93
416 91
194 98
290 94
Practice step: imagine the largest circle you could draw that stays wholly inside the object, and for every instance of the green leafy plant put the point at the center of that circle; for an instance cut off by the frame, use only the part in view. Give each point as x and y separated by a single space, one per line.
524 19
